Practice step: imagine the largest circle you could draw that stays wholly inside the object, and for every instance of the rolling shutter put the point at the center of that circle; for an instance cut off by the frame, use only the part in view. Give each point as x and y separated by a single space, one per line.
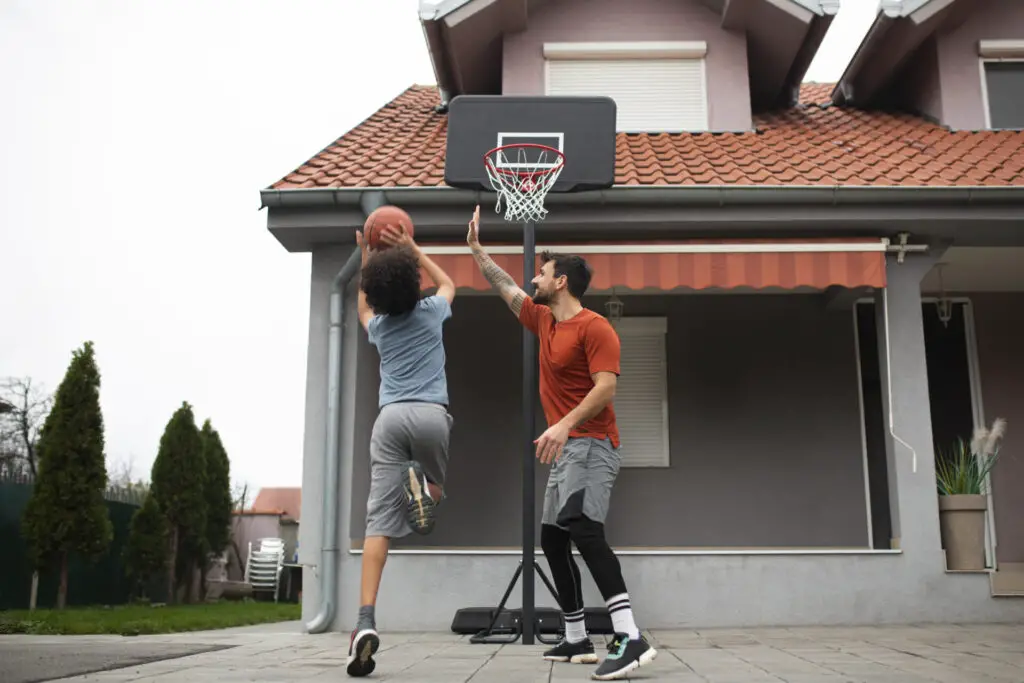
652 95
641 398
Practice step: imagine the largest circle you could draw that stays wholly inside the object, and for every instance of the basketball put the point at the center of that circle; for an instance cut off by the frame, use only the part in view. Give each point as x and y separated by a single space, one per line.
380 219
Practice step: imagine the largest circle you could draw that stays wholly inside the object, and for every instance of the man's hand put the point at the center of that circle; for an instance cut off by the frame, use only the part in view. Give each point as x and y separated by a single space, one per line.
551 443
473 234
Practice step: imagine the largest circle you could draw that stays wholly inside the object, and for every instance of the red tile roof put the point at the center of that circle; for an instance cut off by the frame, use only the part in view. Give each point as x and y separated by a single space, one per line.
814 143
283 500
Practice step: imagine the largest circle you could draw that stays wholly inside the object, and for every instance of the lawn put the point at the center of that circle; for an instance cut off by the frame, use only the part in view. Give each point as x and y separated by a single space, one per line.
132 620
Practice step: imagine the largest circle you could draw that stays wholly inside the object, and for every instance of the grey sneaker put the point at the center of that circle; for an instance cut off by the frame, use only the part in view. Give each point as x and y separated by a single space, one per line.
420 506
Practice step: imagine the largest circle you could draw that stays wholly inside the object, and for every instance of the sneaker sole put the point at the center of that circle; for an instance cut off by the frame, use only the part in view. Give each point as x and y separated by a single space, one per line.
362 664
645 658
421 507
575 659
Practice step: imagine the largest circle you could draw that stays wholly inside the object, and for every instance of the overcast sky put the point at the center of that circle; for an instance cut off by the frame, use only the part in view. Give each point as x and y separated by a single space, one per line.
134 139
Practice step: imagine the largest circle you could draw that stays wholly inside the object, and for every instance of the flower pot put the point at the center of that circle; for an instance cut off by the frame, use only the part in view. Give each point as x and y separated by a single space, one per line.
962 522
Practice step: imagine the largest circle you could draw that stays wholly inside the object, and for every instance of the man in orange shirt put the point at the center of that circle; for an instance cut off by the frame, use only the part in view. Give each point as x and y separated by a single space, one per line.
579 368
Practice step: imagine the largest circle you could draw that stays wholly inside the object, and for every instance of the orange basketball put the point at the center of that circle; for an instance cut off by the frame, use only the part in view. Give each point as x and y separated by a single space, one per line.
380 219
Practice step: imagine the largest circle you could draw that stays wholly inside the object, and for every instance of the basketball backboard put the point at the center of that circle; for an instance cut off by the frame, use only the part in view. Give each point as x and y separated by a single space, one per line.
581 128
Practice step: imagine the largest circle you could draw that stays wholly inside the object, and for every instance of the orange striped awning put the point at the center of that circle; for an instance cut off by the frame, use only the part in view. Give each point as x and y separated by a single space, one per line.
757 264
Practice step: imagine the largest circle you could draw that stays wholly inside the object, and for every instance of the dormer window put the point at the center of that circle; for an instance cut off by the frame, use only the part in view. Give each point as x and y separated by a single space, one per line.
657 86
1002 64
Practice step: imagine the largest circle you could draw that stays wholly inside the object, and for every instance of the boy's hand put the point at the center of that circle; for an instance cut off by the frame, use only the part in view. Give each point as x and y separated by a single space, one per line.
397 237
364 247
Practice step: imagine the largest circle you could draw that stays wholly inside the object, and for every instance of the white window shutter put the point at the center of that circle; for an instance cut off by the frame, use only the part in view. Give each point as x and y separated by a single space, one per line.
641 399
651 95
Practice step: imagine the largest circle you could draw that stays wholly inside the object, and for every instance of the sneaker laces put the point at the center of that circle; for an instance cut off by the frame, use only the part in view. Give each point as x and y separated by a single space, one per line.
616 642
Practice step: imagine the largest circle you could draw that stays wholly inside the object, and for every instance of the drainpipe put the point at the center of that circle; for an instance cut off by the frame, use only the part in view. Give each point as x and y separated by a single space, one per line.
332 456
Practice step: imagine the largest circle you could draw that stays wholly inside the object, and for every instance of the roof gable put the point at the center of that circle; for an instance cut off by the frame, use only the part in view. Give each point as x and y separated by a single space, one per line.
464 40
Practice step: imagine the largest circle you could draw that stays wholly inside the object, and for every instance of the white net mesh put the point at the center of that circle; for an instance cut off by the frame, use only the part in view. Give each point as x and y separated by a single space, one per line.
523 183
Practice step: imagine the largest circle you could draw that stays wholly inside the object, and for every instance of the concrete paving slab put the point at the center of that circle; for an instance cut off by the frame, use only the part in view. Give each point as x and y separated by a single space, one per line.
888 654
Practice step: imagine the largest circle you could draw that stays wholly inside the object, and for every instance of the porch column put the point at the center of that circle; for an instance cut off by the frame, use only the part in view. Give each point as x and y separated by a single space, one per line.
913 501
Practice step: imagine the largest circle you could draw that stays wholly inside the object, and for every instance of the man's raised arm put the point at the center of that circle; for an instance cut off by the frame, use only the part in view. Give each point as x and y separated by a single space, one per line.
501 281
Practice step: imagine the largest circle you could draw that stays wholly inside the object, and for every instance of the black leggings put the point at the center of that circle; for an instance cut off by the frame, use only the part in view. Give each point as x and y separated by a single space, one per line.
588 536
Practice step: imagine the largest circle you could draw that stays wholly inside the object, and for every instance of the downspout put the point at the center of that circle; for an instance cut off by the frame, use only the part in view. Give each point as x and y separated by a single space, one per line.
329 523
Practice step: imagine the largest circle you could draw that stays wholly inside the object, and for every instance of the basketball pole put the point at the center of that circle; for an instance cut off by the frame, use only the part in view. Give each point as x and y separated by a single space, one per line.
529 450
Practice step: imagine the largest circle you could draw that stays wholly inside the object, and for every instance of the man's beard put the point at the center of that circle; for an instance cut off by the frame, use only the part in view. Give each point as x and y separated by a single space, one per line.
541 298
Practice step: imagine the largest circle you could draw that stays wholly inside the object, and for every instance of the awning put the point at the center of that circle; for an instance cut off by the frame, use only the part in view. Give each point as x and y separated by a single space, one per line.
725 264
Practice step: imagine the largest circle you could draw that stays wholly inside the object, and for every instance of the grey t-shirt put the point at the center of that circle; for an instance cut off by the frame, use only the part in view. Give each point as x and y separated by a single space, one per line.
412 353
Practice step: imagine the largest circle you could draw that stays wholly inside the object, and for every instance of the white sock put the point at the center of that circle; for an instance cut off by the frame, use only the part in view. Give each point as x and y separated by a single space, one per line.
575 627
622 616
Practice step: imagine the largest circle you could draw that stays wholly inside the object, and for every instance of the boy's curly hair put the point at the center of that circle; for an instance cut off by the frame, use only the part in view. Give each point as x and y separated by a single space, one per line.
391 281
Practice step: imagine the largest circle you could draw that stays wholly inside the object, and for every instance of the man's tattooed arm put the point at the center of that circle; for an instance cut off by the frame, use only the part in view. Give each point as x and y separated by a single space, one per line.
501 281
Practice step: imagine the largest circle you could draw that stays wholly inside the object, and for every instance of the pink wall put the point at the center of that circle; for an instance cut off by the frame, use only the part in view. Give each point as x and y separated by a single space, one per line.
635 20
956 65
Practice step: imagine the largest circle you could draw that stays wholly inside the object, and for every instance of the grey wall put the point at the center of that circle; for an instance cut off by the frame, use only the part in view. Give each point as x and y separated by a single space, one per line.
999 324
637 20
764 429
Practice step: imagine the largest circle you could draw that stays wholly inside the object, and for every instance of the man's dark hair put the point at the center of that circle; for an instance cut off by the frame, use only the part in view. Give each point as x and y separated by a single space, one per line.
575 268
391 281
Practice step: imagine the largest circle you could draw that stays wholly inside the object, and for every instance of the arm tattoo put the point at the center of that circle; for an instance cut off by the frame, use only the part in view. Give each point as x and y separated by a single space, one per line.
517 303
499 279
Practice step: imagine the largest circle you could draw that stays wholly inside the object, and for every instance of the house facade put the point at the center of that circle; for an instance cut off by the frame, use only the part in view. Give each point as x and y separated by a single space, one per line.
782 399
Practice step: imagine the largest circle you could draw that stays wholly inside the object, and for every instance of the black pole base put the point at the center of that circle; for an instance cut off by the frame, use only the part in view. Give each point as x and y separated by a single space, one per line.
512 633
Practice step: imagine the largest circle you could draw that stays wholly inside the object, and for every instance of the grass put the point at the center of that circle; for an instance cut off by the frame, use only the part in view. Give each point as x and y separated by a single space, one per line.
132 620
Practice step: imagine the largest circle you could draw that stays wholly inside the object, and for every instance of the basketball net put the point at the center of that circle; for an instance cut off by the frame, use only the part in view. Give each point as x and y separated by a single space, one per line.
523 184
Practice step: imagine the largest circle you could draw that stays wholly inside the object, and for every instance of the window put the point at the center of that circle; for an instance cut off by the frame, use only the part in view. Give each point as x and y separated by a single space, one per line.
1002 68
657 86
641 400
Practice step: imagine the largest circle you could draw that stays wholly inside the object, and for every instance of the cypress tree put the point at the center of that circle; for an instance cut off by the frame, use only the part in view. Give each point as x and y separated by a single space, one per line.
67 512
145 554
217 492
178 478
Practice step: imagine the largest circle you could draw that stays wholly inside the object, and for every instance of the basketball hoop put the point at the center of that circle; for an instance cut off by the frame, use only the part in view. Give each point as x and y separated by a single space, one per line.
521 183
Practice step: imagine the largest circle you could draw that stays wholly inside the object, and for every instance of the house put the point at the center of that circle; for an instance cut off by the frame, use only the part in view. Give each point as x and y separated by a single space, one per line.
275 513
778 483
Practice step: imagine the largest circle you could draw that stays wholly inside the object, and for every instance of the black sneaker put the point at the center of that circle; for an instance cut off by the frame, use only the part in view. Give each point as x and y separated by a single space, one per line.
420 507
361 649
624 655
574 653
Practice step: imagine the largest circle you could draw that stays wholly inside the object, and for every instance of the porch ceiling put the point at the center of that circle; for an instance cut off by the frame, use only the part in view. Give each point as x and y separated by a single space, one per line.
977 269
464 39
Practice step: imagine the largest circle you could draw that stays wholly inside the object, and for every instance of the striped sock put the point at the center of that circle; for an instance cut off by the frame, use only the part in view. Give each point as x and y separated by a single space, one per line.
622 616
575 627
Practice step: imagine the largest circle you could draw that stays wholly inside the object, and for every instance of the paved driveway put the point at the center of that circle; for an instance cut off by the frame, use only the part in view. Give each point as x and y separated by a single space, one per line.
278 653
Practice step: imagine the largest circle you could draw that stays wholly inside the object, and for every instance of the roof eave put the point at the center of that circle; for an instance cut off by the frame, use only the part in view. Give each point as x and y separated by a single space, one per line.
648 194
816 31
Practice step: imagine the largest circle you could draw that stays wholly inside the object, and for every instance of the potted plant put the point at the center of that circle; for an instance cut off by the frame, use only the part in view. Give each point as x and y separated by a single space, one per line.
962 477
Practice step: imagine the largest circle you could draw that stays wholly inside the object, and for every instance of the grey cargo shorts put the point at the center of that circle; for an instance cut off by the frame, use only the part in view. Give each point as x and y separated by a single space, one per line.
403 432
580 482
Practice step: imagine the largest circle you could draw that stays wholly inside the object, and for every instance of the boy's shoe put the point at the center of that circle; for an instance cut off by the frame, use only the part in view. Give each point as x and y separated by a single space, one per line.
624 655
361 649
420 506
575 653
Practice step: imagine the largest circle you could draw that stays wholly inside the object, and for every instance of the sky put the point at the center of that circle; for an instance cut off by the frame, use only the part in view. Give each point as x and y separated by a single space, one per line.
134 140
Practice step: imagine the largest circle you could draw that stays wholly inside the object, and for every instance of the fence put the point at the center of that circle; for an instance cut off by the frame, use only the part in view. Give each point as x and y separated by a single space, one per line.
99 583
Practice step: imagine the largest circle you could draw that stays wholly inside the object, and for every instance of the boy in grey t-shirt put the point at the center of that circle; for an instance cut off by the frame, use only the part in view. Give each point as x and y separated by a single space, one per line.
409 442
